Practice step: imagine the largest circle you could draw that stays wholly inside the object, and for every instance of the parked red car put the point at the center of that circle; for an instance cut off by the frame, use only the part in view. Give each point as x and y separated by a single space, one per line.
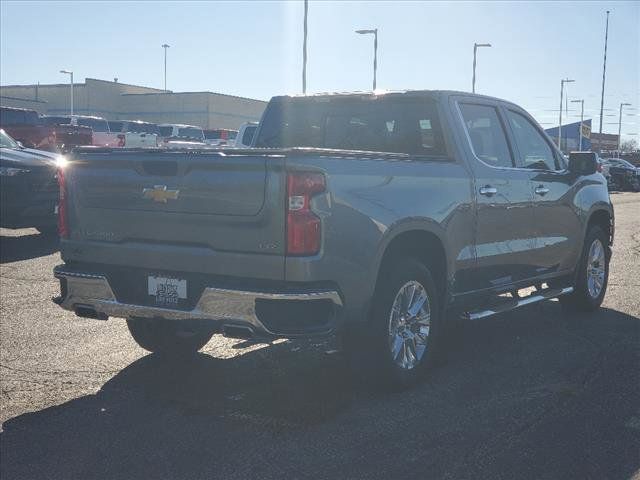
28 128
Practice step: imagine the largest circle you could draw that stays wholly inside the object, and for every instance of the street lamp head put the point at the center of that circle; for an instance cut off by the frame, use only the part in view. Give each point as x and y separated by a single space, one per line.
625 104
165 45
364 32
482 44
68 72
567 80
576 101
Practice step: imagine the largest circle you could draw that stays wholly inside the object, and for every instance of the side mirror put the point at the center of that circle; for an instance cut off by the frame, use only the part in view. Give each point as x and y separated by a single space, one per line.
20 144
583 163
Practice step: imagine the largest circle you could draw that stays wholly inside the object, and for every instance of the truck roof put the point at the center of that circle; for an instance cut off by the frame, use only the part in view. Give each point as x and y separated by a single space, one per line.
409 92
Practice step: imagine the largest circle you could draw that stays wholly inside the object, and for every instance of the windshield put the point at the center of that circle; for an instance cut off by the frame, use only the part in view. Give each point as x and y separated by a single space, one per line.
394 125
6 141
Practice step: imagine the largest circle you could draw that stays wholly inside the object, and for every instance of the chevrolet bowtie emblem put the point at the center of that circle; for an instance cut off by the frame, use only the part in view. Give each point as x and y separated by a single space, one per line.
159 193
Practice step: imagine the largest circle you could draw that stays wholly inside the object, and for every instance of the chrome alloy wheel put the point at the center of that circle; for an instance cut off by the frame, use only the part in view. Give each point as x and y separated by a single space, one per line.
596 268
409 323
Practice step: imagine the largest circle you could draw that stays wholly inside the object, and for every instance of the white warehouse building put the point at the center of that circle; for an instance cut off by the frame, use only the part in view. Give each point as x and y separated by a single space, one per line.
120 101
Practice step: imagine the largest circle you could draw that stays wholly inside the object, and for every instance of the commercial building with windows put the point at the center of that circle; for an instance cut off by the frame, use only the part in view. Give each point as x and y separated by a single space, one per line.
120 101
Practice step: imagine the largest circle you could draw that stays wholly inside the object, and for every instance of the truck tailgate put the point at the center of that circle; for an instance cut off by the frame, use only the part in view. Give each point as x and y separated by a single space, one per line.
187 210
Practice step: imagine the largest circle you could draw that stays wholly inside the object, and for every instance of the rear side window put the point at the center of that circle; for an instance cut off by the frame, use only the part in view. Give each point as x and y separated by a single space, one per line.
487 135
11 117
166 131
115 127
393 125
212 134
534 151
247 136
19 117
55 120
191 133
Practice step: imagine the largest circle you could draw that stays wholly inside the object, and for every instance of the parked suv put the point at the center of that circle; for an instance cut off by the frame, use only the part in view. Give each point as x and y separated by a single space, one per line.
381 217
177 131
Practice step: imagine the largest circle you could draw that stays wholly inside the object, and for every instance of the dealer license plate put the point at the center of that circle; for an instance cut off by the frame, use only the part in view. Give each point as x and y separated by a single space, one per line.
167 291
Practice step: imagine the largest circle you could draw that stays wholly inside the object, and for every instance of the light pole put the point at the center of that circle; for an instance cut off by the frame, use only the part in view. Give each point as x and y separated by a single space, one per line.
165 46
304 48
475 50
375 50
562 82
620 124
604 69
581 102
70 73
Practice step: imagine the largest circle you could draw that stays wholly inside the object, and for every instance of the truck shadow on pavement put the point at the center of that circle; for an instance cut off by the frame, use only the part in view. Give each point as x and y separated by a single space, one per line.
562 391
25 247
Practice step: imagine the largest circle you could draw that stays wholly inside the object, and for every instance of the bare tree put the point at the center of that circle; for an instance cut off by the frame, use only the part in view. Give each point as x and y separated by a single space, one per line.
630 145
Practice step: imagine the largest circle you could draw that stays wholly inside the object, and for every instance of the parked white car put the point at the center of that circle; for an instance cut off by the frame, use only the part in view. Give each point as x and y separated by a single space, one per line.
246 132
137 134
179 132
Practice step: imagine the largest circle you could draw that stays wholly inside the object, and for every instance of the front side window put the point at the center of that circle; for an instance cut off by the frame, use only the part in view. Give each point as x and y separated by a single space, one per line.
535 151
166 131
487 135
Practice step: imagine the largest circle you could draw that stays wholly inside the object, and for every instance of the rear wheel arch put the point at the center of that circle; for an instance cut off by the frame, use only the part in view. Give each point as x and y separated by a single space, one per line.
423 245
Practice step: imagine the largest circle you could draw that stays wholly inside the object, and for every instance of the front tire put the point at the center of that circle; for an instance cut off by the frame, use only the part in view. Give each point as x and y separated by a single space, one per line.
404 331
592 273
168 337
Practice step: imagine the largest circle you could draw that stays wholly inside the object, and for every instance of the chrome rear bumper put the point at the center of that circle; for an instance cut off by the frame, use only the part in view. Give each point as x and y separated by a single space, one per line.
90 295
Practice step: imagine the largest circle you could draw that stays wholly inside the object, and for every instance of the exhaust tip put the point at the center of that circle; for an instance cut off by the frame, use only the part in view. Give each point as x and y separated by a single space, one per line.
86 311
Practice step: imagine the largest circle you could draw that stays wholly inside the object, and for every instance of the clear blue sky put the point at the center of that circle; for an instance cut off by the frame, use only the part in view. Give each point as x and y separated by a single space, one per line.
254 49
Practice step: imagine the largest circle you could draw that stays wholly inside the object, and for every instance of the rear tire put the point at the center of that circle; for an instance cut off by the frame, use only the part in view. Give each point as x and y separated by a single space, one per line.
168 337
592 274
400 341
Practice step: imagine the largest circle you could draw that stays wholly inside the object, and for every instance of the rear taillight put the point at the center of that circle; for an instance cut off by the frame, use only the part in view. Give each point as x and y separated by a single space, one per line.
121 140
303 226
63 225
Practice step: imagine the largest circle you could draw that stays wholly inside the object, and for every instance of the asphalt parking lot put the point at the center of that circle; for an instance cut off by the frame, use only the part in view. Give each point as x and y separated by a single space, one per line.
530 394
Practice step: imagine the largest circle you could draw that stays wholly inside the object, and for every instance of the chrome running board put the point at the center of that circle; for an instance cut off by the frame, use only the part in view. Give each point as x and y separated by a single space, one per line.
538 296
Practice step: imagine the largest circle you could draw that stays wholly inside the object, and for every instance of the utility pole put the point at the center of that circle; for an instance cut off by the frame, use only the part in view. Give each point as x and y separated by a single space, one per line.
620 125
373 31
562 82
165 46
475 50
304 48
581 102
604 70
70 73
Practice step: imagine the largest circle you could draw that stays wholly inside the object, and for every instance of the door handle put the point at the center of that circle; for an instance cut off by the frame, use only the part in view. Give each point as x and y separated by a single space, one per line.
488 191
541 190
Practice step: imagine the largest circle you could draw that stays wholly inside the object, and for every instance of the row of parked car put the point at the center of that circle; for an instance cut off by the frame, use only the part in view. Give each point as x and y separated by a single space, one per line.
620 174
60 133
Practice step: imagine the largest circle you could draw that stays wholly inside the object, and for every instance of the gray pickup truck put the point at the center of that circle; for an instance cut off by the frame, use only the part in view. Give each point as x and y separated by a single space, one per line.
380 217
